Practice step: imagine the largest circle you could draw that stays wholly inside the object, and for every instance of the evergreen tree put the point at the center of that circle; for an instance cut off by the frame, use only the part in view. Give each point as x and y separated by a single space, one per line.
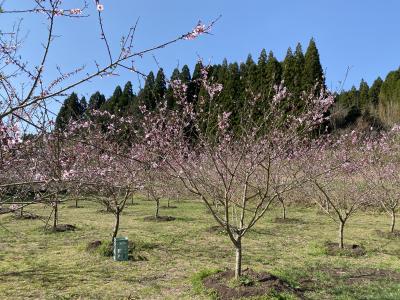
71 109
146 95
299 69
194 85
389 99
160 86
289 67
184 75
363 100
274 72
313 73
374 91
293 70
112 104
96 101
127 103
83 105
261 86
248 72
169 95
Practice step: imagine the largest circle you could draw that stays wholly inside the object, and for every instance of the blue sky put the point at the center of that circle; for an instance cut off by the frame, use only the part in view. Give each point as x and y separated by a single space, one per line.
360 34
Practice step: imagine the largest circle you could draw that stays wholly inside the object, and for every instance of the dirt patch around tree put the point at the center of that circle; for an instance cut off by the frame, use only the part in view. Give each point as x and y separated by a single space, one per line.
106 249
63 228
251 284
159 219
388 235
26 216
4 210
353 250
169 207
93 245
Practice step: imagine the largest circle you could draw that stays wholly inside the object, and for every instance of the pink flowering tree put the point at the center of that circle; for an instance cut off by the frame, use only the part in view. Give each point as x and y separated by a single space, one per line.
158 186
337 186
104 165
237 174
39 88
36 166
27 106
382 173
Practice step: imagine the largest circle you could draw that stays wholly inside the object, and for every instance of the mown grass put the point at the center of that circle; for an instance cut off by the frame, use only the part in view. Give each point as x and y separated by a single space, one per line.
39 265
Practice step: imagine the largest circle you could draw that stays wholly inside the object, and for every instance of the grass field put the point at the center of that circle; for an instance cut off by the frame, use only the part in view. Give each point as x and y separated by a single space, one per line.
39 265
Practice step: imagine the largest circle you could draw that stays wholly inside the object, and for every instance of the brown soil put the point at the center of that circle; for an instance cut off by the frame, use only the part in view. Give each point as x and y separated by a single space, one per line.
93 245
64 227
349 250
288 221
26 216
254 284
160 219
4 210
169 207
388 234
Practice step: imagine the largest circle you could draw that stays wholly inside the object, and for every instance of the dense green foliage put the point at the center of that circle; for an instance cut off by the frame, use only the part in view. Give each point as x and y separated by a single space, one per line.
377 106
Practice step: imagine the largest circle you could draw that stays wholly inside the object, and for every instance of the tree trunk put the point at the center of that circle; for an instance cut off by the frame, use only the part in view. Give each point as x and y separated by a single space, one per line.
393 221
157 208
283 210
76 203
22 211
238 265
116 226
341 229
55 220
132 200
168 203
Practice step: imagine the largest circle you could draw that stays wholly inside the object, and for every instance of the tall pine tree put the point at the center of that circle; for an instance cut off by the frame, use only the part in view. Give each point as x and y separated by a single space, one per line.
313 73
72 109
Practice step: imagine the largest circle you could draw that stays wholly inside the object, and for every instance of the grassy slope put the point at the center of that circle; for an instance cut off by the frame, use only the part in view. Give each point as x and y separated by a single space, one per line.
39 265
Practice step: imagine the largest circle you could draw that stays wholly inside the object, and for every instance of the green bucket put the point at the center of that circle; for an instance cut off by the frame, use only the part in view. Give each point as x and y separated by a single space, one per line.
121 249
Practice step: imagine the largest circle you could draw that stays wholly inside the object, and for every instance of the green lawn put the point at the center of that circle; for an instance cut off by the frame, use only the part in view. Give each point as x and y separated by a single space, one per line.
39 265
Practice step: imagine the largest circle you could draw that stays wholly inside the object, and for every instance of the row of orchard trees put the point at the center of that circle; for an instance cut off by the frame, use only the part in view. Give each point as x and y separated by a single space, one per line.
238 174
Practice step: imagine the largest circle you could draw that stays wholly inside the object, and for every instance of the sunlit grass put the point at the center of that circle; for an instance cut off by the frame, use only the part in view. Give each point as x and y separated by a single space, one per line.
40 265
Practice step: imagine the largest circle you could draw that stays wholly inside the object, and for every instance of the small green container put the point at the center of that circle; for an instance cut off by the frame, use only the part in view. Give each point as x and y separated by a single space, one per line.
121 249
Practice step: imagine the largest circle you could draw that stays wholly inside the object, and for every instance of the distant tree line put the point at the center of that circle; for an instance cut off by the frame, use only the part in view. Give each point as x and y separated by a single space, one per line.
378 105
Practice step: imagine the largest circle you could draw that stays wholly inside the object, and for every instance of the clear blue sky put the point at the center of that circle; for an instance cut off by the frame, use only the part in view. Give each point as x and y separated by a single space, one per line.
361 34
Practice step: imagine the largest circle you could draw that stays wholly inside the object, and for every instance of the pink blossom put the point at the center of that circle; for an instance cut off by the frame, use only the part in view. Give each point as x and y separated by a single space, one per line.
197 31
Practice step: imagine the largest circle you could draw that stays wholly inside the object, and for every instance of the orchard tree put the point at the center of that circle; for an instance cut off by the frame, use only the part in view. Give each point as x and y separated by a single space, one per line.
237 174
27 106
337 185
383 174
103 165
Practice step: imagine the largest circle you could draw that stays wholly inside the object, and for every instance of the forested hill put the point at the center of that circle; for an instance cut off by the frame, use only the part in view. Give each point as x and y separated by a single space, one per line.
378 105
